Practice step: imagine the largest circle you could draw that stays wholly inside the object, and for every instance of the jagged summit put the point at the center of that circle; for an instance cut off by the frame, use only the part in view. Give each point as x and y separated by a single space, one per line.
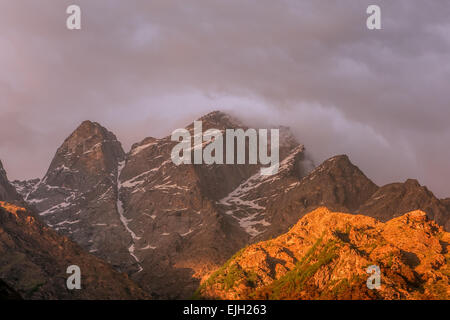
86 133
90 151
222 120
87 125
216 115
340 160
341 182
340 165
218 120
412 183
91 127
86 136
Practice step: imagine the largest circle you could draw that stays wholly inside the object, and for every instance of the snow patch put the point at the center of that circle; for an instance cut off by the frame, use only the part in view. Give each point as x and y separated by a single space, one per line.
67 222
148 247
139 149
187 233
122 217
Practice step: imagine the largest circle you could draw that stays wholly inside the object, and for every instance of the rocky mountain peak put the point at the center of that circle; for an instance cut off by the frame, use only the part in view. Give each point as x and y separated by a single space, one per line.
217 120
340 184
397 199
412 183
339 165
326 255
78 195
339 162
86 136
88 126
222 121
90 151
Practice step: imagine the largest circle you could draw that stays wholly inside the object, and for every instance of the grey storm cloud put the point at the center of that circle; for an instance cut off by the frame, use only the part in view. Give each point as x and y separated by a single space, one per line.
144 68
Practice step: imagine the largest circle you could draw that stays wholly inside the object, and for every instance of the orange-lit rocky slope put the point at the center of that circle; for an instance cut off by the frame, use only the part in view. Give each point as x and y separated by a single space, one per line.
34 260
325 256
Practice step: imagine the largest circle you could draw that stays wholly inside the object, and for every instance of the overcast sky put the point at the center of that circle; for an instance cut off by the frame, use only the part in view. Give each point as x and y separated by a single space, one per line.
144 68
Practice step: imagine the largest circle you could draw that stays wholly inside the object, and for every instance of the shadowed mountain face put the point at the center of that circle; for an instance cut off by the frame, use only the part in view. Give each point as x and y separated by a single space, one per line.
169 226
396 199
7 190
326 254
34 260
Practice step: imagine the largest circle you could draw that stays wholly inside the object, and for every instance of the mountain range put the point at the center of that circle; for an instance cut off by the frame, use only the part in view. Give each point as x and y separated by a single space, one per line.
164 229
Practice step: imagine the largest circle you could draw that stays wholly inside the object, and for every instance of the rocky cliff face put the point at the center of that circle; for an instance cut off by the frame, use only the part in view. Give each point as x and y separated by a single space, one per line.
7 191
34 261
326 254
